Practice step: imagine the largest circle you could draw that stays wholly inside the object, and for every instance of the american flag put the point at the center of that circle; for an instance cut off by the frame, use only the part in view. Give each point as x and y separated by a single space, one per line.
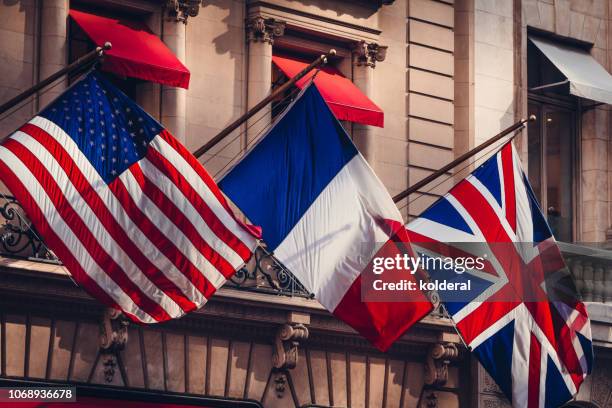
130 212
524 321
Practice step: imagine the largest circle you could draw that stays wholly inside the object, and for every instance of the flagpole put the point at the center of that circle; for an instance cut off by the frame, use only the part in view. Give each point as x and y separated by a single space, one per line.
415 187
86 59
263 103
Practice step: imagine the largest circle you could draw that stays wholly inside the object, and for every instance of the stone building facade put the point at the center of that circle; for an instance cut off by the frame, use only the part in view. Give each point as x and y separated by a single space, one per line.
448 75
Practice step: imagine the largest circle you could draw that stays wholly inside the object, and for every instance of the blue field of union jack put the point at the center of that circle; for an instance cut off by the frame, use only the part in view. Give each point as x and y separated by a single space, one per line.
535 344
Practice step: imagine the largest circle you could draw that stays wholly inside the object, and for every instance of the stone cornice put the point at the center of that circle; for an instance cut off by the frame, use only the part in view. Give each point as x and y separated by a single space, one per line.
229 313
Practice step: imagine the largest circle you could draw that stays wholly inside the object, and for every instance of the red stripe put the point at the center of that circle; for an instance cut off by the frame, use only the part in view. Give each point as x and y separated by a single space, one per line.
161 242
199 169
52 240
106 218
533 383
382 323
214 223
181 222
82 232
509 191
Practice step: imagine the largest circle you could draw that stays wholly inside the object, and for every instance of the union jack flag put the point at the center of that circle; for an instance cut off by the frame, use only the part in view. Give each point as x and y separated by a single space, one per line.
523 319
132 214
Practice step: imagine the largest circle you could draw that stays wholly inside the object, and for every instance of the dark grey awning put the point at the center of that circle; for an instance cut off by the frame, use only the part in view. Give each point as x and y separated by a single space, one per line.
587 78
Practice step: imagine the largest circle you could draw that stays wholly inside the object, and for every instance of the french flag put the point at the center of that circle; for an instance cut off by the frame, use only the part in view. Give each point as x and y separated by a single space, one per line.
321 208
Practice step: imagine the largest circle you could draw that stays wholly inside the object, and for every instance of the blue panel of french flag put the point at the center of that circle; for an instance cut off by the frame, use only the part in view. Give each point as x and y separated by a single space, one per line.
321 207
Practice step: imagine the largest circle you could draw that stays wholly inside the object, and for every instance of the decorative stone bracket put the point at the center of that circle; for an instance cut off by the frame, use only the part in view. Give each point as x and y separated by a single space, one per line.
286 345
262 29
439 357
367 54
113 337
181 10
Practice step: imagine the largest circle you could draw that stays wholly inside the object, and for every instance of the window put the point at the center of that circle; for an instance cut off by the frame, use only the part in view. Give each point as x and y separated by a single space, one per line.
551 141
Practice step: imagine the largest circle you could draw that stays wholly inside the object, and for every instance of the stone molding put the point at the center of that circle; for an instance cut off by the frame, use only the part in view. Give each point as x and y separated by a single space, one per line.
368 53
262 29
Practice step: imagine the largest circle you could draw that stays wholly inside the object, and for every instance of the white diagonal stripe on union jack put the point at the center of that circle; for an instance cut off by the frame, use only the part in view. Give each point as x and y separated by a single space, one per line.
132 232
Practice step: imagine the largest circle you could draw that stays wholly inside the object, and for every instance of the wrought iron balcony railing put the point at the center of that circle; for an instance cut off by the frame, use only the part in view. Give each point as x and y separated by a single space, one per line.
19 239
590 265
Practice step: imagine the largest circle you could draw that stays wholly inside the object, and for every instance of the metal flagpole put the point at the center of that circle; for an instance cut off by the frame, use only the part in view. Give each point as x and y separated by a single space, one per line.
516 126
278 91
86 59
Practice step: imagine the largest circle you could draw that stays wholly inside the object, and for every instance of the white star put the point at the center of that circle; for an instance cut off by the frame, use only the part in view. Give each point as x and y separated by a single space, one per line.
127 109
130 122
91 131
91 143
114 160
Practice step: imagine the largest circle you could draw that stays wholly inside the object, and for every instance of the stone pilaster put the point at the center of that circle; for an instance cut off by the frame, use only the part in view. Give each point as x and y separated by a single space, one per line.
365 56
53 45
260 34
174 100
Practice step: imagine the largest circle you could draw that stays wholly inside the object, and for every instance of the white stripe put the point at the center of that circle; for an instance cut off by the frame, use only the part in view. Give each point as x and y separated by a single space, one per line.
172 232
100 233
203 190
520 356
177 197
74 245
333 241
116 209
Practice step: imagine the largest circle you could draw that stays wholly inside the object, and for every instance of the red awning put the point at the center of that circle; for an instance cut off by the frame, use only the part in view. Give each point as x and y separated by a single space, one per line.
343 97
136 52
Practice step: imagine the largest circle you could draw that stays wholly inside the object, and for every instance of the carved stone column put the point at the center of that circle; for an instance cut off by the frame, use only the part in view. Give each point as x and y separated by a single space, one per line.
365 56
174 100
53 45
260 34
